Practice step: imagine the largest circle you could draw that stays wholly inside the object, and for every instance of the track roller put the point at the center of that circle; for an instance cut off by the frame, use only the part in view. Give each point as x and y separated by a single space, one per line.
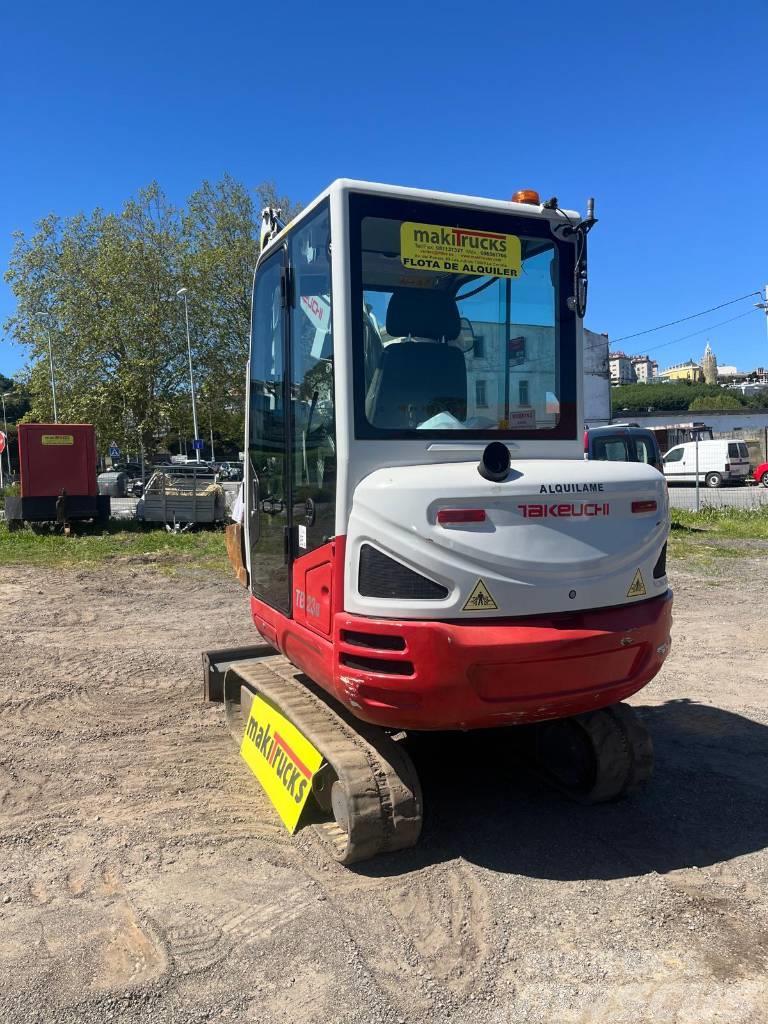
595 757
367 783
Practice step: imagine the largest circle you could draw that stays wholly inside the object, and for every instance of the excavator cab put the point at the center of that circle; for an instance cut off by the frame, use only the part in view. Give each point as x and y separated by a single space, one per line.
426 548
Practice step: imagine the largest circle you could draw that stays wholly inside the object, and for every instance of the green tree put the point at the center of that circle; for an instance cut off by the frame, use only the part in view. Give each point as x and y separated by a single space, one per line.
222 224
716 402
672 397
17 401
104 285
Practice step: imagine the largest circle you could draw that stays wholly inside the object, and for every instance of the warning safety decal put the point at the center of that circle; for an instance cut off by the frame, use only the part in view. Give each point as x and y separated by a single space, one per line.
281 758
637 587
480 600
458 250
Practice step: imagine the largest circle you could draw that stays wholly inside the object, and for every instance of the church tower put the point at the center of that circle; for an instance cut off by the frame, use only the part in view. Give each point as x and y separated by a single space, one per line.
709 366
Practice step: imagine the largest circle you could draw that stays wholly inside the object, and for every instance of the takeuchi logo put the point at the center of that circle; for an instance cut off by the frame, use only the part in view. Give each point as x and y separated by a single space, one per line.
574 510
460 238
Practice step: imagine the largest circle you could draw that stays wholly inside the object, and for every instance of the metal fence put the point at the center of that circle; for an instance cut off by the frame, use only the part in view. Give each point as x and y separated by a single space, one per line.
695 499
709 480
682 496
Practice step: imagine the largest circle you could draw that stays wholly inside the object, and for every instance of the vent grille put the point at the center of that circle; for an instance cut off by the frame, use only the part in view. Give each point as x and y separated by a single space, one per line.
384 666
379 641
381 576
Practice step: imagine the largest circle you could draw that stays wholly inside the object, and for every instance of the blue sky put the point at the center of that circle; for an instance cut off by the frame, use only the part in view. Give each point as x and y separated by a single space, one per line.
659 110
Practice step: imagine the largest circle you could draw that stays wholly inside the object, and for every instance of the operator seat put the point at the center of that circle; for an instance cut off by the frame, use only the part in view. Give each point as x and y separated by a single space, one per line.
415 380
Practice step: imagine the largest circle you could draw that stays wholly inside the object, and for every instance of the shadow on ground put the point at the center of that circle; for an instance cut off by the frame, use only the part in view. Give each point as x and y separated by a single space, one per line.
707 802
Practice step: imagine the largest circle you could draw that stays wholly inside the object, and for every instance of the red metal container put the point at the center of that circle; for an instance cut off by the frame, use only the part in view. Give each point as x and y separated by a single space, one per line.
55 457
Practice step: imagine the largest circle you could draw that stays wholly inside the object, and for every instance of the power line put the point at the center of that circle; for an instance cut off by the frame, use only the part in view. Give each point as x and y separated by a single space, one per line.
682 320
704 330
685 337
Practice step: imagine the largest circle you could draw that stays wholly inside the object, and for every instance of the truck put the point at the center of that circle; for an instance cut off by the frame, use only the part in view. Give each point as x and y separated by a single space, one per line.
424 547
671 434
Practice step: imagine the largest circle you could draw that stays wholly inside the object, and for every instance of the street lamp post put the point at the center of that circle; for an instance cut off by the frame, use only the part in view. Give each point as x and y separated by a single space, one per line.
182 293
5 428
45 317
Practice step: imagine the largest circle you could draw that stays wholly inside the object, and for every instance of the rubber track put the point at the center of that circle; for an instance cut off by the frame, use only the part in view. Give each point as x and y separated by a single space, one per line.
623 753
380 783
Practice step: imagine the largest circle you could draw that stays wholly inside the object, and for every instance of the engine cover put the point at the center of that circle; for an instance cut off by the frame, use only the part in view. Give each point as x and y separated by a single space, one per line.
557 536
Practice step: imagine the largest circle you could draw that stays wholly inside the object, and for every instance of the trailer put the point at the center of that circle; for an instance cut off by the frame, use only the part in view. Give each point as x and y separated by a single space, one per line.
192 497
424 546
58 476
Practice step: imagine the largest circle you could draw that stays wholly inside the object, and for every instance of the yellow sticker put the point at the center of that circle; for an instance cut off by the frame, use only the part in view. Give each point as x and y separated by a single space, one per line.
281 758
637 588
57 439
459 250
480 600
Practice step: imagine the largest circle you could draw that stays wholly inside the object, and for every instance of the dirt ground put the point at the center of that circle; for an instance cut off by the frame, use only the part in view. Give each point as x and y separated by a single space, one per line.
144 876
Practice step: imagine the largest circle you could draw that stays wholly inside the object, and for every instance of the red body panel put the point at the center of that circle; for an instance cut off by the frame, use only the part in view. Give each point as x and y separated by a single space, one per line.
760 471
428 675
55 457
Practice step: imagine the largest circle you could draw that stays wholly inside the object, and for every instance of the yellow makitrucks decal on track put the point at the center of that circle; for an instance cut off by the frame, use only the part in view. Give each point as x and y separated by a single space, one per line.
637 587
480 600
281 758
459 250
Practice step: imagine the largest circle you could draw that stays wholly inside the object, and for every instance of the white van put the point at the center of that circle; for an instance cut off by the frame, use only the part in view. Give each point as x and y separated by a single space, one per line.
719 462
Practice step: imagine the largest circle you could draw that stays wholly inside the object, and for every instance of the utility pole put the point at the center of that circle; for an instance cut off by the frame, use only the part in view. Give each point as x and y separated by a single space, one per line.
764 306
182 293
5 428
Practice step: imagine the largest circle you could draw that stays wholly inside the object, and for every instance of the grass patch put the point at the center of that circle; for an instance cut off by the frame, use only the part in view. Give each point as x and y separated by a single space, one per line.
118 543
743 523
706 540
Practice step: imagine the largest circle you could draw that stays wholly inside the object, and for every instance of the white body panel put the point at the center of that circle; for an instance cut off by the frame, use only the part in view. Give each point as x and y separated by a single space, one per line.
584 554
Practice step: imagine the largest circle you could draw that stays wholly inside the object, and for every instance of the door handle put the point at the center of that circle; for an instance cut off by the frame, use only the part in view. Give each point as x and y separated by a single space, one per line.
253 516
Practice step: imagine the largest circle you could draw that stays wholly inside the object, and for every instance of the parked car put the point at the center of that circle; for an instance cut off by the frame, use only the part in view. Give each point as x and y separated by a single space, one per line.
231 471
719 462
131 469
760 474
622 442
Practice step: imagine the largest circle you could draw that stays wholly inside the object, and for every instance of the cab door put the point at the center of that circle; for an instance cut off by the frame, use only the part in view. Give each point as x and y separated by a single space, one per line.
674 464
313 422
267 482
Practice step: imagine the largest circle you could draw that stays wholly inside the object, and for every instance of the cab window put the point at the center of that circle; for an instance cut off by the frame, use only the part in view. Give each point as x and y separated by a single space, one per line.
675 455
645 451
611 449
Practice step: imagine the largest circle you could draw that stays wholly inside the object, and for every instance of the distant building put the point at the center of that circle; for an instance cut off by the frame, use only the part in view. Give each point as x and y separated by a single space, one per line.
530 359
709 366
732 375
645 369
621 368
753 387
597 385
684 371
